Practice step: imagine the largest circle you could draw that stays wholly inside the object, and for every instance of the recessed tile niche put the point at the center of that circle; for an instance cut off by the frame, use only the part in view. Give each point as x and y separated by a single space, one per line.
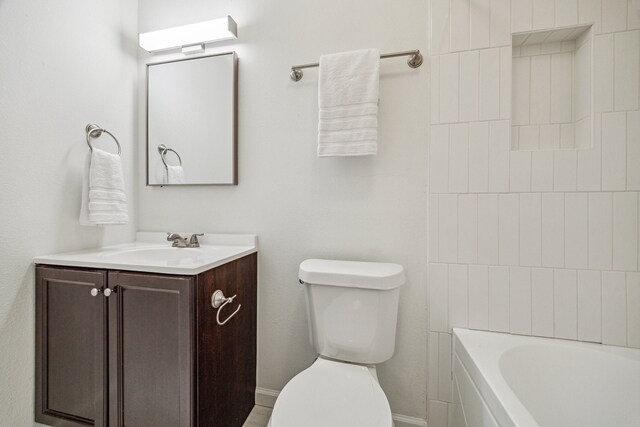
552 89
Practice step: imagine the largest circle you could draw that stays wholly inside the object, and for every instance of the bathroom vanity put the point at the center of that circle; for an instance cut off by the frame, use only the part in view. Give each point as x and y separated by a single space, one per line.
128 336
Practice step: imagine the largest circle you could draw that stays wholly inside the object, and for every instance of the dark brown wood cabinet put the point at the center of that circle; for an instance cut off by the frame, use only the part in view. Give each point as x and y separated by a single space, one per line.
148 351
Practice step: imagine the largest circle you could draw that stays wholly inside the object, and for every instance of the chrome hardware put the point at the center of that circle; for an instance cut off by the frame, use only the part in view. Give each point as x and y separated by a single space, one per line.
95 131
94 292
163 149
181 242
193 240
107 292
218 300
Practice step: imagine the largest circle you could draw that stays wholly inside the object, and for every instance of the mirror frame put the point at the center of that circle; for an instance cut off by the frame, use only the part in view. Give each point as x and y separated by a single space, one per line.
234 112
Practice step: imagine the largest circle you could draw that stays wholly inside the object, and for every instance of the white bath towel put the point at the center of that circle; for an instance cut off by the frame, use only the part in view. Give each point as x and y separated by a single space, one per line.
104 200
348 103
175 175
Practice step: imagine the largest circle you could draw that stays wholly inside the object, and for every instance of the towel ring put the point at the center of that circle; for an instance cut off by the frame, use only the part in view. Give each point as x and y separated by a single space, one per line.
163 149
95 131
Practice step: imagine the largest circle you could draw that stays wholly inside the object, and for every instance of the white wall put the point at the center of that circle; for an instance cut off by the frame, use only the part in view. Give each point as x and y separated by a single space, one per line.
533 243
64 64
371 208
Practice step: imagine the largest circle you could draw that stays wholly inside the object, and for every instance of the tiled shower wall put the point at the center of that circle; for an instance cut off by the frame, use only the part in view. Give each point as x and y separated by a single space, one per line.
538 242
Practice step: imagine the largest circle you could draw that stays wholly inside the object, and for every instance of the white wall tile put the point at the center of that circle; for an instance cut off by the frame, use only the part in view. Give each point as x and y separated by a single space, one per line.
509 229
589 306
633 150
589 161
564 170
633 310
567 137
458 158
614 310
614 163
499 299
432 365
625 231
506 62
449 89
434 86
529 138
469 85
561 91
565 304
603 73
520 300
479 155
576 230
500 22
515 136
459 25
468 228
458 296
520 165
438 297
542 302
590 11
627 70
521 76
600 231
633 15
448 228
440 26
542 171
553 229
543 14
530 229
489 84
437 413
540 89
566 12
479 297
499 148
433 228
439 159
582 79
521 15
488 229
549 137
480 23
444 367
614 15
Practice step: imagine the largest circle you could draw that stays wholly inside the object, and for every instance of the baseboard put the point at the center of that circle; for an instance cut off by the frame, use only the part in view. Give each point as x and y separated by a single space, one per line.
267 397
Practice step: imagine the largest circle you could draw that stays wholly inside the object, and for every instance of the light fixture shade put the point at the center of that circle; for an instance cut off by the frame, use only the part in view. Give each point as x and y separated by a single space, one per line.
186 35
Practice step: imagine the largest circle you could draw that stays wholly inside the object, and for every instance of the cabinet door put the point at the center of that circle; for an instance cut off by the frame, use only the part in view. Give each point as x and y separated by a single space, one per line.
150 350
70 347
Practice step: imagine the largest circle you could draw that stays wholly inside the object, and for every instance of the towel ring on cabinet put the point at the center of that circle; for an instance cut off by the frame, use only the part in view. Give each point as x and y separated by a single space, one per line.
218 300
95 131
163 149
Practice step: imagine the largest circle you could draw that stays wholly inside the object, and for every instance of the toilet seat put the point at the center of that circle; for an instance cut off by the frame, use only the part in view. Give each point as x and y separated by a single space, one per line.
331 393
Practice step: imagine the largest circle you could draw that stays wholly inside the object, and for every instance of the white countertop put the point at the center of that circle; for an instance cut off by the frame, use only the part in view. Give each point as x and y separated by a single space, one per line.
151 252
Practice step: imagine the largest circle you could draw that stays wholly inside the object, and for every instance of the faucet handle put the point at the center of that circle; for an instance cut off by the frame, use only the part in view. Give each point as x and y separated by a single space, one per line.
173 236
193 240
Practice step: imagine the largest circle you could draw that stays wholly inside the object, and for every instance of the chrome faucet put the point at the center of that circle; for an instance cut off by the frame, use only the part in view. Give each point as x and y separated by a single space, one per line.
181 242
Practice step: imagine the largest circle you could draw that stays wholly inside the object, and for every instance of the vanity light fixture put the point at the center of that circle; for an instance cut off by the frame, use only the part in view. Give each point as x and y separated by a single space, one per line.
191 37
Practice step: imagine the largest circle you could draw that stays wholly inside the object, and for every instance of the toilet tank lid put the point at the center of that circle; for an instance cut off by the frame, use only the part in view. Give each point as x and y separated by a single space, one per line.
352 274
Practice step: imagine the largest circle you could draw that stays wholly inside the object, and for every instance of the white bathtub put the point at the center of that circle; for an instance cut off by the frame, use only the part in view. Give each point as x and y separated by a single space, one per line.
516 381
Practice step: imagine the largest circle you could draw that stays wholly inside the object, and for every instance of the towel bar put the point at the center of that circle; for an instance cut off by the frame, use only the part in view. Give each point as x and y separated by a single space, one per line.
95 131
414 61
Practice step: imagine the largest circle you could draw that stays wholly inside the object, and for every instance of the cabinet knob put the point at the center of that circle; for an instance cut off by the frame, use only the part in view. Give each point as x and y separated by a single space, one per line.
94 292
107 292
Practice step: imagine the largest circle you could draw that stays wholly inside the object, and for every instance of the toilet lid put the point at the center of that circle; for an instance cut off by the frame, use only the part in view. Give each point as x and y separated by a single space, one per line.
332 394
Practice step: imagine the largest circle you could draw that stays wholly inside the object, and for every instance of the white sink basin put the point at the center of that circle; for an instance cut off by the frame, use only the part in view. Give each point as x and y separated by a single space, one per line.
152 253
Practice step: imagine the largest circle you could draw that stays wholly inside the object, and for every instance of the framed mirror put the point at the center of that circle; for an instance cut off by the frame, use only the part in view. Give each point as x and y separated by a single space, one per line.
192 121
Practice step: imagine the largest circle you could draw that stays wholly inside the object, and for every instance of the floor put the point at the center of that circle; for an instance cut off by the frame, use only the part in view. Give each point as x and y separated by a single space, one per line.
259 417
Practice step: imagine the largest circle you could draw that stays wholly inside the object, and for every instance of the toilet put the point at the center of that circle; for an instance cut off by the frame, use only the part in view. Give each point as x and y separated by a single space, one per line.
352 309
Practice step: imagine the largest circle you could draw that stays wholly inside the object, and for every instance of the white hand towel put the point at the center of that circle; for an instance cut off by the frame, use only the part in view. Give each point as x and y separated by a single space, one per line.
348 103
103 197
175 175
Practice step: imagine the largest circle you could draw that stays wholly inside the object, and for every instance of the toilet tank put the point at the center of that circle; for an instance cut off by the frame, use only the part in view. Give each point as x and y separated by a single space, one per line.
352 308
